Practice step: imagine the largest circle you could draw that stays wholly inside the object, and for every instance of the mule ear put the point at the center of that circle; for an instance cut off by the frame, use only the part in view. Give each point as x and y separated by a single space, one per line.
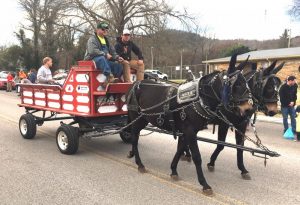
232 63
268 70
278 68
242 65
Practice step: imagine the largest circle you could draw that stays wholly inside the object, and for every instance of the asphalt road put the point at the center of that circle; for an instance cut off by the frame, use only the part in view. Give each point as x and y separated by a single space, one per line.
35 172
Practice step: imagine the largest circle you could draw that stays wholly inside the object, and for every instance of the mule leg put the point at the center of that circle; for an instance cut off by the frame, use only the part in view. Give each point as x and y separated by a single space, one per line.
222 133
186 155
181 146
196 156
135 133
240 159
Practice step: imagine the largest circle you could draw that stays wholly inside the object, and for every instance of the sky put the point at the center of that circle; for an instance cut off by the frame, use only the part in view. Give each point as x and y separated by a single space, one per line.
240 19
230 19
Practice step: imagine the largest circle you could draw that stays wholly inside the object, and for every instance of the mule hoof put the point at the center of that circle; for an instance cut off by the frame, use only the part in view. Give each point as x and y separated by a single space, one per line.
174 177
142 170
246 176
130 154
210 168
208 192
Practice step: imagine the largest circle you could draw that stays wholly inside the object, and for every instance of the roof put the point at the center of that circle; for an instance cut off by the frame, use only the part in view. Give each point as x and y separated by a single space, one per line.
282 53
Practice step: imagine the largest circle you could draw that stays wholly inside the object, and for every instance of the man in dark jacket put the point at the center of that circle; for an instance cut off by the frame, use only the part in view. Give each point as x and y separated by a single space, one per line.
123 48
100 51
32 75
288 97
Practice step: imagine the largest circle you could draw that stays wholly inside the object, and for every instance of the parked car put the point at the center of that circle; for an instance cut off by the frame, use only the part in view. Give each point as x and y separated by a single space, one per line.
160 75
151 76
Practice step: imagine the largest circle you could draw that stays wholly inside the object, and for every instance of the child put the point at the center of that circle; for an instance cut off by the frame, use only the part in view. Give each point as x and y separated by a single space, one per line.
9 82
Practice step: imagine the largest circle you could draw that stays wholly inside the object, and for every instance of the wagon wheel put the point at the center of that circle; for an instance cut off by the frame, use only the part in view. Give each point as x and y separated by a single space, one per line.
125 136
67 139
27 126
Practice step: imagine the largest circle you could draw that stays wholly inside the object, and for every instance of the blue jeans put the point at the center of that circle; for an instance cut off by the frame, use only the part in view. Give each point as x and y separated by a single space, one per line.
107 67
286 111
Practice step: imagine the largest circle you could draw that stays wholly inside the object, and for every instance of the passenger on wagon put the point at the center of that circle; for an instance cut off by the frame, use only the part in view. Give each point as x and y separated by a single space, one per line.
100 51
123 48
44 75
32 75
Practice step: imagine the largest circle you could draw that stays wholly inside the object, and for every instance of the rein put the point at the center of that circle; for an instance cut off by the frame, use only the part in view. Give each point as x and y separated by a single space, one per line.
197 106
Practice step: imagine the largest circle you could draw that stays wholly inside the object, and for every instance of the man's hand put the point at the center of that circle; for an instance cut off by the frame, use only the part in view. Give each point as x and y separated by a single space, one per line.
126 62
108 56
140 62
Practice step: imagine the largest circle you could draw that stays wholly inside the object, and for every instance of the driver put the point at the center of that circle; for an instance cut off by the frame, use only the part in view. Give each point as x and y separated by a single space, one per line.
100 51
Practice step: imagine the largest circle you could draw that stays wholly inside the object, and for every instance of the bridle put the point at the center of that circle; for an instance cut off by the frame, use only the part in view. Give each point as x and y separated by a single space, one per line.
229 82
258 89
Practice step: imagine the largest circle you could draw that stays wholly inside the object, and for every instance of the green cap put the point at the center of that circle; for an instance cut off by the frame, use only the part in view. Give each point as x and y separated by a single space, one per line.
102 25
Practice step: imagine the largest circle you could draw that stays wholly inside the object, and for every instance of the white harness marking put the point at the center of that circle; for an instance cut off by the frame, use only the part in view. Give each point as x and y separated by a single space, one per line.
188 92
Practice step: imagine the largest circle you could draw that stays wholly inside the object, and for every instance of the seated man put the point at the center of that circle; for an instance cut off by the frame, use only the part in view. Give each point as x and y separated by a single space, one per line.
99 50
44 75
123 48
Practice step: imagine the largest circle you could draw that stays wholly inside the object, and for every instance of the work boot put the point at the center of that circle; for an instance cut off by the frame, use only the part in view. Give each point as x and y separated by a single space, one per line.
109 79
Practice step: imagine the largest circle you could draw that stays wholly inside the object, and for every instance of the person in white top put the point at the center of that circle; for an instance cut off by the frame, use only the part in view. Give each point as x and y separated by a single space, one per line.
44 74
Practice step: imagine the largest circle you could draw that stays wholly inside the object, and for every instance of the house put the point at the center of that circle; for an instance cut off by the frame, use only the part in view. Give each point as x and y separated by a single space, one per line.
263 58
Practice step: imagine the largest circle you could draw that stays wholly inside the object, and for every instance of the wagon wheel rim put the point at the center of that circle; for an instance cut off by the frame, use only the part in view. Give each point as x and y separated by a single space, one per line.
62 140
23 127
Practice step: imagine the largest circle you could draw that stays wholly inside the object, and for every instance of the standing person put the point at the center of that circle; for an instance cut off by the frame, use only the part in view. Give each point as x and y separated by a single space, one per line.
10 79
123 47
100 51
288 97
17 80
44 75
22 75
32 75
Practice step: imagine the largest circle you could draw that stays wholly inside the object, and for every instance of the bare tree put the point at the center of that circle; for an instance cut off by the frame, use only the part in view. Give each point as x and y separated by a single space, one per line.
145 15
35 16
42 16
295 10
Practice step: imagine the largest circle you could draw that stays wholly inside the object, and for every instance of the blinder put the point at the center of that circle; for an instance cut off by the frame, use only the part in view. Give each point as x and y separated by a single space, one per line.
228 98
265 95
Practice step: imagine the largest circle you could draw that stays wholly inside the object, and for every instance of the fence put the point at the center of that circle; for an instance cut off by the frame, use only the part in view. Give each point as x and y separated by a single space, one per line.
174 71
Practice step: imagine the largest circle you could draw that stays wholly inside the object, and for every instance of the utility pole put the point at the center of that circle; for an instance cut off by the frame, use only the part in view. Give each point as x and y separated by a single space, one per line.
152 57
181 63
290 33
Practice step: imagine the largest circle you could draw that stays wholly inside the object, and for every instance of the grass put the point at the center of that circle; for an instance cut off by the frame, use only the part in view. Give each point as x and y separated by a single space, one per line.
178 80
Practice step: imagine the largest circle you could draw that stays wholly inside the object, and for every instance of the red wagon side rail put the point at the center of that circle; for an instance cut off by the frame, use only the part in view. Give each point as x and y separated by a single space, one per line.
81 94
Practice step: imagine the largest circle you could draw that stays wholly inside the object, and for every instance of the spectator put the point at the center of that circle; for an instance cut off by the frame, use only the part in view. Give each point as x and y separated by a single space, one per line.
9 82
288 97
22 75
100 51
44 74
32 75
17 80
123 48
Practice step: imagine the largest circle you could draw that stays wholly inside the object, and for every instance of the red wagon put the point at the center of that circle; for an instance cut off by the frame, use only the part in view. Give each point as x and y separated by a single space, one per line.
82 99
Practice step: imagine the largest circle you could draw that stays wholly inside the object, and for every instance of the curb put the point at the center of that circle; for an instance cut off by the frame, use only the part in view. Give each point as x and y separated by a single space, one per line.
270 120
